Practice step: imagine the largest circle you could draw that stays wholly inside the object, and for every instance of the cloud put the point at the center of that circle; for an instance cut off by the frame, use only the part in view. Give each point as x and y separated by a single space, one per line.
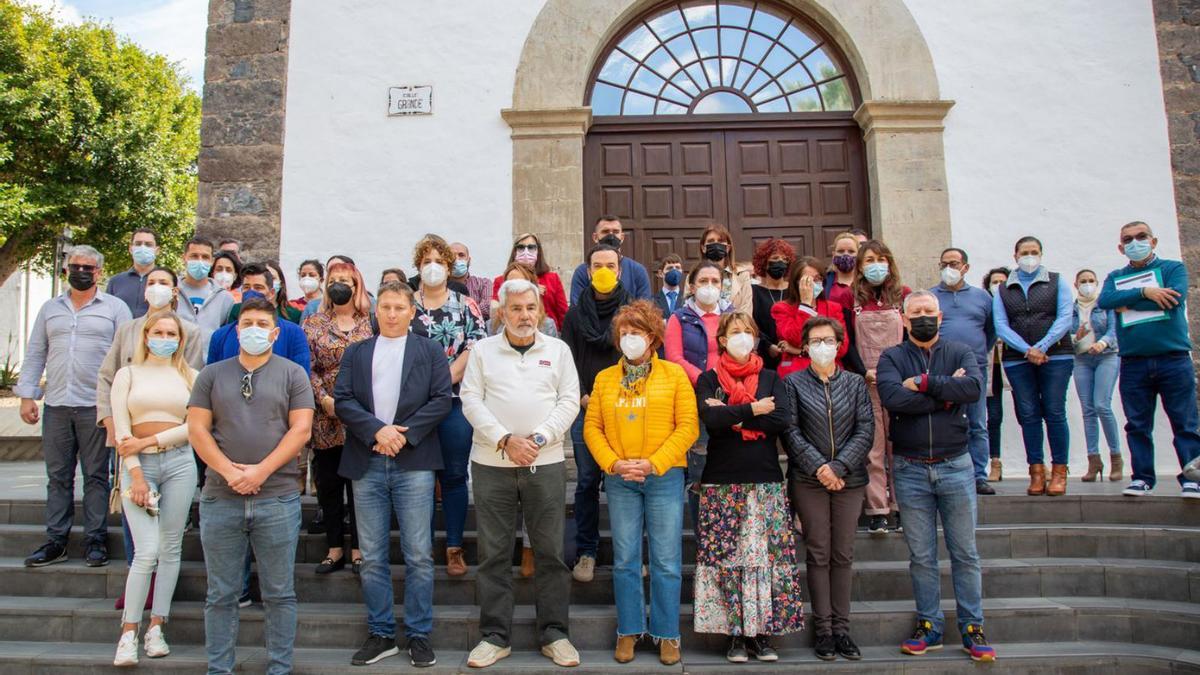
59 10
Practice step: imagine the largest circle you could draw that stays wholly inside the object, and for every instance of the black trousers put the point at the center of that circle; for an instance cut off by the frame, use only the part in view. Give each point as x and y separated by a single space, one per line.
335 495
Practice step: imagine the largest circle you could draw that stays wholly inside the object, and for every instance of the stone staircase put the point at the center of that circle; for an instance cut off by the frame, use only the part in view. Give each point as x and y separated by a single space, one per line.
1091 582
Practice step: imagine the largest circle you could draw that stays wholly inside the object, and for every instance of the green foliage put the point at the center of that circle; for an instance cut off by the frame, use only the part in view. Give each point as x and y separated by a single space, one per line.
96 135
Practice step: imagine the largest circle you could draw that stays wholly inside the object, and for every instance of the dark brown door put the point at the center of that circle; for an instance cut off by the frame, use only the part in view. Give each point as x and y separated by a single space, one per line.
804 184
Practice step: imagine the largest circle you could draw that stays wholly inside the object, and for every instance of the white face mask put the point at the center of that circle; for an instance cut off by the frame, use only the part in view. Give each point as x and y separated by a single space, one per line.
1029 263
739 345
633 346
433 274
822 354
1087 290
708 295
309 284
158 295
223 279
951 276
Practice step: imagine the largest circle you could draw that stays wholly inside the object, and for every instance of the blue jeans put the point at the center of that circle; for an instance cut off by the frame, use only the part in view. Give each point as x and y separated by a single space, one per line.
383 490
271 525
658 503
977 431
924 491
588 477
1040 394
1142 381
1095 379
454 432
995 412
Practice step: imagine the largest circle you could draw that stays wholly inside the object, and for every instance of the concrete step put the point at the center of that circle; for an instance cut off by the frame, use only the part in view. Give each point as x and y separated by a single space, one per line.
873 581
456 627
1093 658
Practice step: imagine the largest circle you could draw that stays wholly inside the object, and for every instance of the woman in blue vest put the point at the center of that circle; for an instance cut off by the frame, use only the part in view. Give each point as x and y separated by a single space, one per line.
691 342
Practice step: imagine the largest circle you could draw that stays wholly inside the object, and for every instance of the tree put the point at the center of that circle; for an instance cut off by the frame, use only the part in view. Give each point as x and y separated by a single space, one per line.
96 135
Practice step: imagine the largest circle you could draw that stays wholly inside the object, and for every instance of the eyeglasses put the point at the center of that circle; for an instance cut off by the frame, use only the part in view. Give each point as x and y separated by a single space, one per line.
248 386
829 342
525 247
953 264
81 268
1140 236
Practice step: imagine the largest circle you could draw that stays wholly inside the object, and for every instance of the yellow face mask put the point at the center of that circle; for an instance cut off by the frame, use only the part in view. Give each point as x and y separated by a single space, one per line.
604 280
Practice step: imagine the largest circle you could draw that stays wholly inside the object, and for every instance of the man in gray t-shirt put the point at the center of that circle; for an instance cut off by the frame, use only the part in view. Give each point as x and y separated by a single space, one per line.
248 418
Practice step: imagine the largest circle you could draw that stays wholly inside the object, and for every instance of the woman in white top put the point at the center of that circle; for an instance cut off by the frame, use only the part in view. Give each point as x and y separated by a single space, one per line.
158 474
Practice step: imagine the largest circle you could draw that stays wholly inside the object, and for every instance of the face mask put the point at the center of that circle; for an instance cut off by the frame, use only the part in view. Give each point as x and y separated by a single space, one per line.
275 286
716 251
1087 290
876 273
526 257
822 354
604 280
633 346
339 293
951 276
923 328
777 269
996 287
433 274
144 255
673 277
1029 263
1138 251
198 269
845 262
610 240
254 340
708 295
81 281
247 296
739 345
163 348
309 284
158 295
817 288
461 267
223 279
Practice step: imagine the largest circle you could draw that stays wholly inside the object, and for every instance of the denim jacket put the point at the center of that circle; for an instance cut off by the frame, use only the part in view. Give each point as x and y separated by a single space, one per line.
1104 327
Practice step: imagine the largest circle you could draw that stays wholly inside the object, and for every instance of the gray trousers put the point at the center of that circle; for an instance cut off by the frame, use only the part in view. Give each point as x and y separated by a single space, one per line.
830 521
501 494
70 436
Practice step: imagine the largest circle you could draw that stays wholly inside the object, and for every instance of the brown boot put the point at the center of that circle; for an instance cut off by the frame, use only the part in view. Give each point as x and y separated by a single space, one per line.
1058 481
456 566
526 562
1095 468
1037 480
1117 466
668 652
624 651
997 472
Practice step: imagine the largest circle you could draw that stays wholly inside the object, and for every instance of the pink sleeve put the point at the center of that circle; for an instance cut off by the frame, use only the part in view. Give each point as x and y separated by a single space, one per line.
673 346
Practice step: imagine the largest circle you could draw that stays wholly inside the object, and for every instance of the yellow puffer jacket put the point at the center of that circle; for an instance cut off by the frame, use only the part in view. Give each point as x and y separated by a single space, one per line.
670 426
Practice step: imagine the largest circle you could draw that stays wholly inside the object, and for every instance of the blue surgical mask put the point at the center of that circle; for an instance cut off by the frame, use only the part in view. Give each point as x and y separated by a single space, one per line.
162 347
275 285
817 288
461 267
254 340
876 273
673 277
144 255
251 295
1138 250
198 269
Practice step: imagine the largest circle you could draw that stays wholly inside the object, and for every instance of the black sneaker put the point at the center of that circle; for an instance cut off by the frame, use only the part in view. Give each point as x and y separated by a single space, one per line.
420 653
982 488
846 648
825 648
877 525
761 649
737 650
245 601
48 554
375 649
896 525
317 524
96 555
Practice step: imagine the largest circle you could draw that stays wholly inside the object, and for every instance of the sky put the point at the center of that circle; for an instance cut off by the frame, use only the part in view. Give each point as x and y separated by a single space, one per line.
173 28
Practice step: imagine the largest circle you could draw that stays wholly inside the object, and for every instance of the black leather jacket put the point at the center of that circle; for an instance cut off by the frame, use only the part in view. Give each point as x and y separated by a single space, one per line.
831 423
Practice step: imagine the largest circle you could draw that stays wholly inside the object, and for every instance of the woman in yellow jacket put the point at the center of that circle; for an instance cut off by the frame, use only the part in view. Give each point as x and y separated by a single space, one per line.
641 420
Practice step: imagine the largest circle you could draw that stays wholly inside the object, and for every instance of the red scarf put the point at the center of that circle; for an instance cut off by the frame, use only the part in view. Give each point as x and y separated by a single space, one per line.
740 383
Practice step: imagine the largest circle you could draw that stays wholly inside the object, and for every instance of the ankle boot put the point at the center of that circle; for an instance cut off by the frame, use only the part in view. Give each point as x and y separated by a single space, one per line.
527 568
1037 480
997 472
1117 467
1095 468
624 651
668 652
1058 481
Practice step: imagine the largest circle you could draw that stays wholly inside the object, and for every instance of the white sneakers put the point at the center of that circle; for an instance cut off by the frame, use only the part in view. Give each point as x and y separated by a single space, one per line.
127 649
486 653
156 644
562 653
585 569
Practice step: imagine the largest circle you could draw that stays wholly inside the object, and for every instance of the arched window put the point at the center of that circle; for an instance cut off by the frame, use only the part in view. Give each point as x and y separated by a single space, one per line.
720 57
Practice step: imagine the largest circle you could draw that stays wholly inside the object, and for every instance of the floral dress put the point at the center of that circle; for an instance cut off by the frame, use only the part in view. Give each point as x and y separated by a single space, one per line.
326 344
457 325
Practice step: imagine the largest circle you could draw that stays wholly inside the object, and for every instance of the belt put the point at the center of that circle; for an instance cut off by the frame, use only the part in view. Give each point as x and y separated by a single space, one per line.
158 449
1164 355
925 460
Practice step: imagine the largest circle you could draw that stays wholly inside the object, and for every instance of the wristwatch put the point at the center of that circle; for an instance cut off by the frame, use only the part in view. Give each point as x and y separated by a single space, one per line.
539 440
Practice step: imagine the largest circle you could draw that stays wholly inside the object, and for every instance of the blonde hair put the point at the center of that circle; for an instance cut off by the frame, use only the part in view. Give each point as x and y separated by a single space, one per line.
177 360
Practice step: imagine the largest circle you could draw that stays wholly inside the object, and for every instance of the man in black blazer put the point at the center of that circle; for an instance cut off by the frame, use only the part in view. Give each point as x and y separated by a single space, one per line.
391 393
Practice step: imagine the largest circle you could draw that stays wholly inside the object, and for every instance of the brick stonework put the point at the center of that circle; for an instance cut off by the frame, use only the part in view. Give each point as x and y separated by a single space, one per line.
241 129
1178 25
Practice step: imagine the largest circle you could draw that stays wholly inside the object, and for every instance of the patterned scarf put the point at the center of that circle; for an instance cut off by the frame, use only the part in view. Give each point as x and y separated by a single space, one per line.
740 382
634 378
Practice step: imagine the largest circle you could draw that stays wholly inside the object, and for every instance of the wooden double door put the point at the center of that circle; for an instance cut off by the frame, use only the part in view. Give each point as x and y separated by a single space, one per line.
804 184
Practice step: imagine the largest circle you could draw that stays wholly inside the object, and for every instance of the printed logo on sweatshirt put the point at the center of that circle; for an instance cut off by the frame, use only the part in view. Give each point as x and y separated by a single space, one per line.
544 363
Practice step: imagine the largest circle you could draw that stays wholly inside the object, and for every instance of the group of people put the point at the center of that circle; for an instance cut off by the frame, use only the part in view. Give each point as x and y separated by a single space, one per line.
885 401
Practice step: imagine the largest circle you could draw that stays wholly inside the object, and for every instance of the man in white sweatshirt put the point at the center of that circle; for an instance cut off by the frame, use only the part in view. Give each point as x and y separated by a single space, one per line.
520 393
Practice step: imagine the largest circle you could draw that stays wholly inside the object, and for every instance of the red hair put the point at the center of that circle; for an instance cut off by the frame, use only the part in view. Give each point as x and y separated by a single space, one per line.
360 300
771 247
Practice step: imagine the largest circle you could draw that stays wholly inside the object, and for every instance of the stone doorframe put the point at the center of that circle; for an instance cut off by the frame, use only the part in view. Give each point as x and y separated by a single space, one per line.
901 117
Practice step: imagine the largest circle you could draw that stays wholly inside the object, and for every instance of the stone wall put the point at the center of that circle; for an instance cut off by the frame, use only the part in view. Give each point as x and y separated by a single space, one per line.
1178 24
241 130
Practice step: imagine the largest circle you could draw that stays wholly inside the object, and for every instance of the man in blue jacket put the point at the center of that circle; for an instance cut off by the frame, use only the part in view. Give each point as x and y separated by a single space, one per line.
926 384
1155 355
634 276
291 344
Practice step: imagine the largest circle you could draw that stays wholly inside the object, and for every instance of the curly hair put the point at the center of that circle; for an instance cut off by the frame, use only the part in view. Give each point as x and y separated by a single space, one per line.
642 315
768 248
432 242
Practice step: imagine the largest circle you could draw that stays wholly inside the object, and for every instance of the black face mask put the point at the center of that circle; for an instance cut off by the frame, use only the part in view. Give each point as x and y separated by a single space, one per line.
610 240
716 251
923 328
340 293
80 280
776 269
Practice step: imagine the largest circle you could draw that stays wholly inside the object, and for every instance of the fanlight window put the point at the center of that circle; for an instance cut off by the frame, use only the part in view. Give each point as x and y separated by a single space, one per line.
720 57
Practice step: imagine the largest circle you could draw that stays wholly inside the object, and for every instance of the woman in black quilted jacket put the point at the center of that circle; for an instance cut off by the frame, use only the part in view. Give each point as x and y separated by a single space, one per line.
827 442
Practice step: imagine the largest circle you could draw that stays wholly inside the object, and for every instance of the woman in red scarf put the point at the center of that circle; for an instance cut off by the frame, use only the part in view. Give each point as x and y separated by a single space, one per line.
747 582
